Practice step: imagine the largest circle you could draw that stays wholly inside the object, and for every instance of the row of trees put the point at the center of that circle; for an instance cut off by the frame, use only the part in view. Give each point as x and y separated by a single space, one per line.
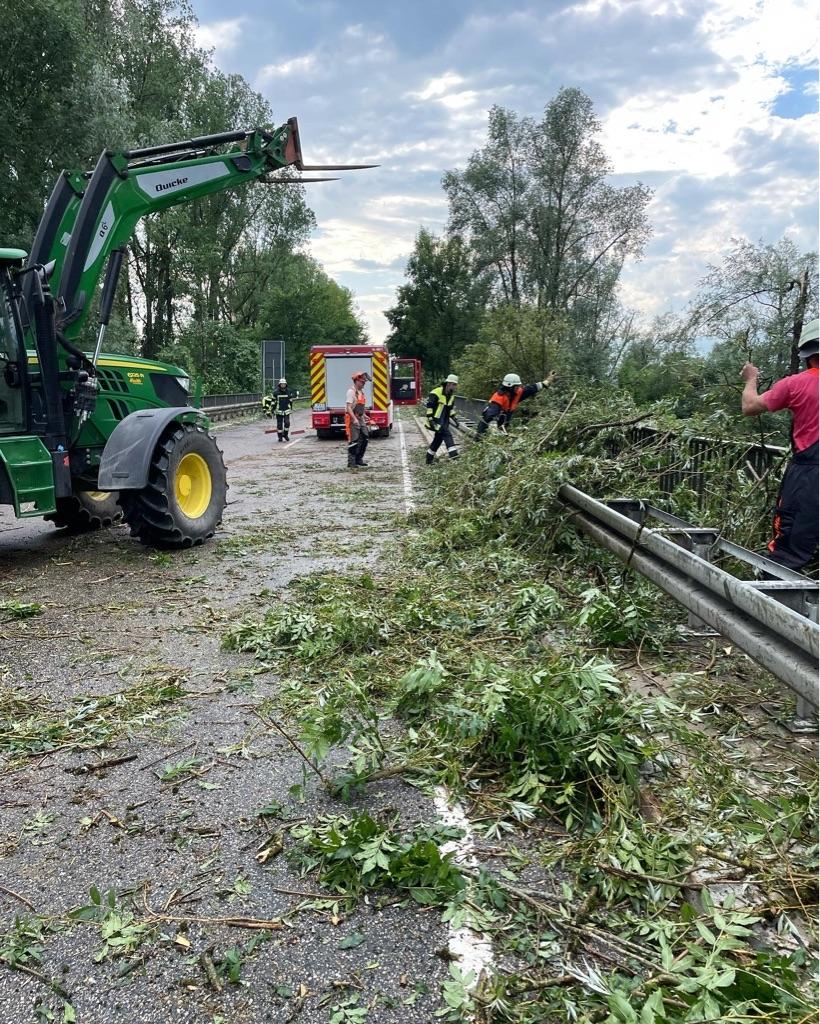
206 280
526 278
540 234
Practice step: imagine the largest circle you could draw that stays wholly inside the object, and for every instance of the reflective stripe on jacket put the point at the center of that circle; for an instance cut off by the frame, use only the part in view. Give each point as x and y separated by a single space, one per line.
283 400
440 406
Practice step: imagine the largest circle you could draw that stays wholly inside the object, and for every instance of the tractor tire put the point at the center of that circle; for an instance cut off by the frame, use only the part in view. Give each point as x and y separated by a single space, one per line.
183 502
84 511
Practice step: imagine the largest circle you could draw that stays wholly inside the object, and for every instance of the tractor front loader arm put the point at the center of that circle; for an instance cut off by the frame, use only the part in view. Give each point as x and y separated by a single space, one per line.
126 186
54 231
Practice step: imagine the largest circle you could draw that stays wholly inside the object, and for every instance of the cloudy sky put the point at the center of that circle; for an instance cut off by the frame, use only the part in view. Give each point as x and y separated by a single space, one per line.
712 103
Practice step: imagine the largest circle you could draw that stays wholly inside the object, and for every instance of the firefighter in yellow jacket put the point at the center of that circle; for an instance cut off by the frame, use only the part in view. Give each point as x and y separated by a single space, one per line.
440 414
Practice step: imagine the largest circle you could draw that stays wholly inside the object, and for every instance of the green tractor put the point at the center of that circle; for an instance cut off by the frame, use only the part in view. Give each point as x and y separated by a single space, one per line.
87 438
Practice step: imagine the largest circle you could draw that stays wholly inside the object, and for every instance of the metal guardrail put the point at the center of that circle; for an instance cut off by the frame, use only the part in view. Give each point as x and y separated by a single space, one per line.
691 459
761 616
226 401
222 407
470 408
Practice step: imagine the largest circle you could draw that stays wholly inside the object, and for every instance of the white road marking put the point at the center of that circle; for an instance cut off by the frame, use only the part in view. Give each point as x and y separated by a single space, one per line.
406 479
472 950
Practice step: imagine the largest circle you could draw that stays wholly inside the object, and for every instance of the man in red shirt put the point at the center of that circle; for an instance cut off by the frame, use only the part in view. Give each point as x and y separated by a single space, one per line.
795 524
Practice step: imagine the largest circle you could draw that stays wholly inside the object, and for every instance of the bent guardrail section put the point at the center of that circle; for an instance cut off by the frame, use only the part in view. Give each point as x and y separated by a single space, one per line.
750 613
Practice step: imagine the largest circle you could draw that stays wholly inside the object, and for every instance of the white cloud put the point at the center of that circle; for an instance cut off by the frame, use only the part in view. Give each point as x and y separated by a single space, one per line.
294 66
691 131
220 36
340 243
361 34
439 87
776 31
372 304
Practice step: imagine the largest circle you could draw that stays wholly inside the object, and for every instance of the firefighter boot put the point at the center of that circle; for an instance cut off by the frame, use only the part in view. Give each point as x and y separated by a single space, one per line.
362 447
351 455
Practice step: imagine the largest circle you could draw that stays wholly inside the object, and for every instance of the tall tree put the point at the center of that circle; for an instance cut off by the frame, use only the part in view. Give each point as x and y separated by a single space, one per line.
489 201
755 303
537 210
582 227
55 98
440 308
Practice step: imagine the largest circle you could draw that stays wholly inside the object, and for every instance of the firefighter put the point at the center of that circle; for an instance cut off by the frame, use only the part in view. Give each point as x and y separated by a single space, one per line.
267 405
795 521
356 421
440 414
506 400
283 403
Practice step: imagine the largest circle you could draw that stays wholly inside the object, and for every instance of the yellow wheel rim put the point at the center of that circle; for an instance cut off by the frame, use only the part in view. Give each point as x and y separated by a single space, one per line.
97 495
192 485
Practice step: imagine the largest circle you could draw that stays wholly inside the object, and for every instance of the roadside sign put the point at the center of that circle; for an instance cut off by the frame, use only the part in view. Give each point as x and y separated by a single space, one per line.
273 363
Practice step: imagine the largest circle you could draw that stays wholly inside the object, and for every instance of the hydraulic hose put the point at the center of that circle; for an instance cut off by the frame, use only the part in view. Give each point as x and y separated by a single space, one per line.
72 349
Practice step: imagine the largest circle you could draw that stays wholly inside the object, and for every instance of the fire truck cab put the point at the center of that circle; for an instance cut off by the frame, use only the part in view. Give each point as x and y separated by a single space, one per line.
405 380
331 371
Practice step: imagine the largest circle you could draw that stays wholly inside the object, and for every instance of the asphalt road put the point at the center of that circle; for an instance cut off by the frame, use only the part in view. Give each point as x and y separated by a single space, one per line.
117 616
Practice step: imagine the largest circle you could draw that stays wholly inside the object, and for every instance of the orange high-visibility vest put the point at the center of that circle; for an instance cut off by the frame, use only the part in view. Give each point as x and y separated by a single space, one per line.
508 403
360 400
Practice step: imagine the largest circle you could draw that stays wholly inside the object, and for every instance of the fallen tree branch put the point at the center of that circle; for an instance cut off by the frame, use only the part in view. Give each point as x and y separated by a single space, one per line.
614 423
656 879
254 923
84 769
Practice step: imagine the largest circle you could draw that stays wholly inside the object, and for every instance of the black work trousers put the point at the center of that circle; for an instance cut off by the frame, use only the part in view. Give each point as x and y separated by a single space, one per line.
795 523
357 444
283 425
442 436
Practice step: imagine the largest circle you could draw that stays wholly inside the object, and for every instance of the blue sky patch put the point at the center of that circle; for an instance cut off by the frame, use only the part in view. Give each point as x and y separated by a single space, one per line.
802 96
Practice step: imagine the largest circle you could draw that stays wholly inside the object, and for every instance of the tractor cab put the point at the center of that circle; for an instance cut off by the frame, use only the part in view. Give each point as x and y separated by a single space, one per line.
12 349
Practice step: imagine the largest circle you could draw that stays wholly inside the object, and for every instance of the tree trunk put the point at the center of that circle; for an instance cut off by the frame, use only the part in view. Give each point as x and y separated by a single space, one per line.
799 313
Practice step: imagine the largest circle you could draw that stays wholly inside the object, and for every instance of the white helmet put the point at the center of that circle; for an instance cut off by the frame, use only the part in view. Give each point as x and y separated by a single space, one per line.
809 340
511 380
451 379
282 380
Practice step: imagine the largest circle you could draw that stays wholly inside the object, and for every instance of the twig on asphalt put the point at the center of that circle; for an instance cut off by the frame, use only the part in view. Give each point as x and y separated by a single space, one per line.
165 757
257 923
17 896
84 769
30 971
272 722
210 970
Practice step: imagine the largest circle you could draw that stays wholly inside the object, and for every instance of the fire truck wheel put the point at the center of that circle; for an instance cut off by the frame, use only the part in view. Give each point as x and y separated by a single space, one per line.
323 434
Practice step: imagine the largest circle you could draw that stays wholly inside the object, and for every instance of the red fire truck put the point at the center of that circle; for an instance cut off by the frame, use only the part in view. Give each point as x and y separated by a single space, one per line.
394 381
